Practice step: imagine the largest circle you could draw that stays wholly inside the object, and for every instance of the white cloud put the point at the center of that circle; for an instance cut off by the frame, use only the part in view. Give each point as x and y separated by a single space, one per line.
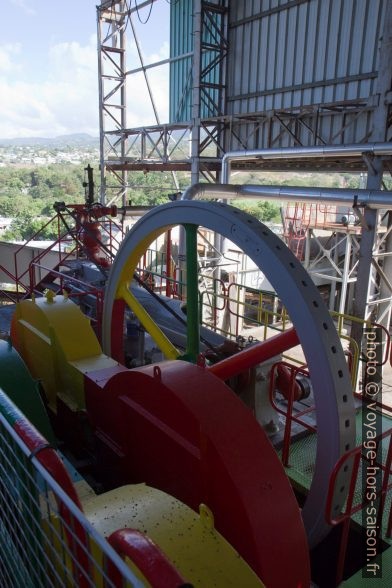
67 101
7 53
24 5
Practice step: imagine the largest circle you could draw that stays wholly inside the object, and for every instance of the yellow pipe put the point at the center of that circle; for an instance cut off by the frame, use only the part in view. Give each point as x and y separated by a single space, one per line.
151 327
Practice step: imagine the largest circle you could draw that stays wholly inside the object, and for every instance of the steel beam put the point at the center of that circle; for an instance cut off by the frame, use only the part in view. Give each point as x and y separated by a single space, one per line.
196 71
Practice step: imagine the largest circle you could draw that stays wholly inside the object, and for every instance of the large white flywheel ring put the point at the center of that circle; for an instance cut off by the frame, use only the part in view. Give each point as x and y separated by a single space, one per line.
320 342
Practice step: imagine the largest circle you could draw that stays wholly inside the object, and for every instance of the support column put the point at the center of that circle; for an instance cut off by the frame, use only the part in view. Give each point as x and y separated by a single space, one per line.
385 292
346 270
332 293
192 293
364 274
123 98
112 100
102 196
196 69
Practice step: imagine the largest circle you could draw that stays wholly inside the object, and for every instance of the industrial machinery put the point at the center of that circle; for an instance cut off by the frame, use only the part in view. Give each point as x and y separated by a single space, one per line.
178 435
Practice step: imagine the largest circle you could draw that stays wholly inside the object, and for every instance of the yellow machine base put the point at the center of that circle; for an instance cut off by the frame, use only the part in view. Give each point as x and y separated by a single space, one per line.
189 540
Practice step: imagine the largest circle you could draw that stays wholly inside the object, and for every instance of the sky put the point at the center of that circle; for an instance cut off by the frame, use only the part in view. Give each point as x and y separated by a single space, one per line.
48 67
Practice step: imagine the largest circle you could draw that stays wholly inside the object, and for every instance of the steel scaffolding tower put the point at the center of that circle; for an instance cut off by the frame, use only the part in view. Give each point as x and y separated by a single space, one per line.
254 76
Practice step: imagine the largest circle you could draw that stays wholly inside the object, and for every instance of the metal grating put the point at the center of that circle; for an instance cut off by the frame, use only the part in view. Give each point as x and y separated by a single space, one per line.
302 461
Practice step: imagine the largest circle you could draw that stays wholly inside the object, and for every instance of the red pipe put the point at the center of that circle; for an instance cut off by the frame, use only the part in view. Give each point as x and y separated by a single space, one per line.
147 556
258 353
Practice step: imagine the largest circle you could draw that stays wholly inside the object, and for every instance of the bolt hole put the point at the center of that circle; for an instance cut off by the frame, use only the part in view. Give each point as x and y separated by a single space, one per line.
292 264
333 349
340 374
347 447
344 397
303 283
336 508
342 488
265 233
315 303
345 469
325 326
278 247
347 423
250 221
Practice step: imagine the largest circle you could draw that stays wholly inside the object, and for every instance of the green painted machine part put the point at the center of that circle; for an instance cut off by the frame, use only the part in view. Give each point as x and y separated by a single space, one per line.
192 288
17 383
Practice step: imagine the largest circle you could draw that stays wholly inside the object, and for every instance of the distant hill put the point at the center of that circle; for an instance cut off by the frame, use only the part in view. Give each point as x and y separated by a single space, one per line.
75 140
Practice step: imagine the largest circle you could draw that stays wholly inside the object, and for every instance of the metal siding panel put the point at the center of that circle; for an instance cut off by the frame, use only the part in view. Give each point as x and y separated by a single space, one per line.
307 65
315 41
281 34
271 52
328 50
181 42
240 6
290 45
355 66
264 53
257 6
246 70
258 53
311 42
300 50
344 38
238 61
339 92
253 58
373 33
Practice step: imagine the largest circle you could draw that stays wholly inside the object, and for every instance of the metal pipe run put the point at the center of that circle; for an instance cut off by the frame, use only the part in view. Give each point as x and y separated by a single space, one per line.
322 151
242 361
344 196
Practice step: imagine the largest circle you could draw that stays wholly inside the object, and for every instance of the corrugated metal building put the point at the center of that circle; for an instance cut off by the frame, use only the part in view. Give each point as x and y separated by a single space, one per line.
314 58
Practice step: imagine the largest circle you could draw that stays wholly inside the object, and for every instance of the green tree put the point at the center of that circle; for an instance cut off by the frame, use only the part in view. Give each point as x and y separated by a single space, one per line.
24 227
268 211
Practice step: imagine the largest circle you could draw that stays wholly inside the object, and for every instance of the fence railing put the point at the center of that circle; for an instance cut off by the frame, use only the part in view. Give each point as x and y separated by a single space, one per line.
45 540
248 307
357 500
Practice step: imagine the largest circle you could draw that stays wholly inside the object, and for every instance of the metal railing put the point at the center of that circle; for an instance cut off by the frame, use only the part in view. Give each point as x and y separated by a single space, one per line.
67 244
357 501
290 418
45 540
14 297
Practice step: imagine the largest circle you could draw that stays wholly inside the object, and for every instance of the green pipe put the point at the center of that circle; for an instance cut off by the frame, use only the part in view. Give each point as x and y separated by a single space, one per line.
192 291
